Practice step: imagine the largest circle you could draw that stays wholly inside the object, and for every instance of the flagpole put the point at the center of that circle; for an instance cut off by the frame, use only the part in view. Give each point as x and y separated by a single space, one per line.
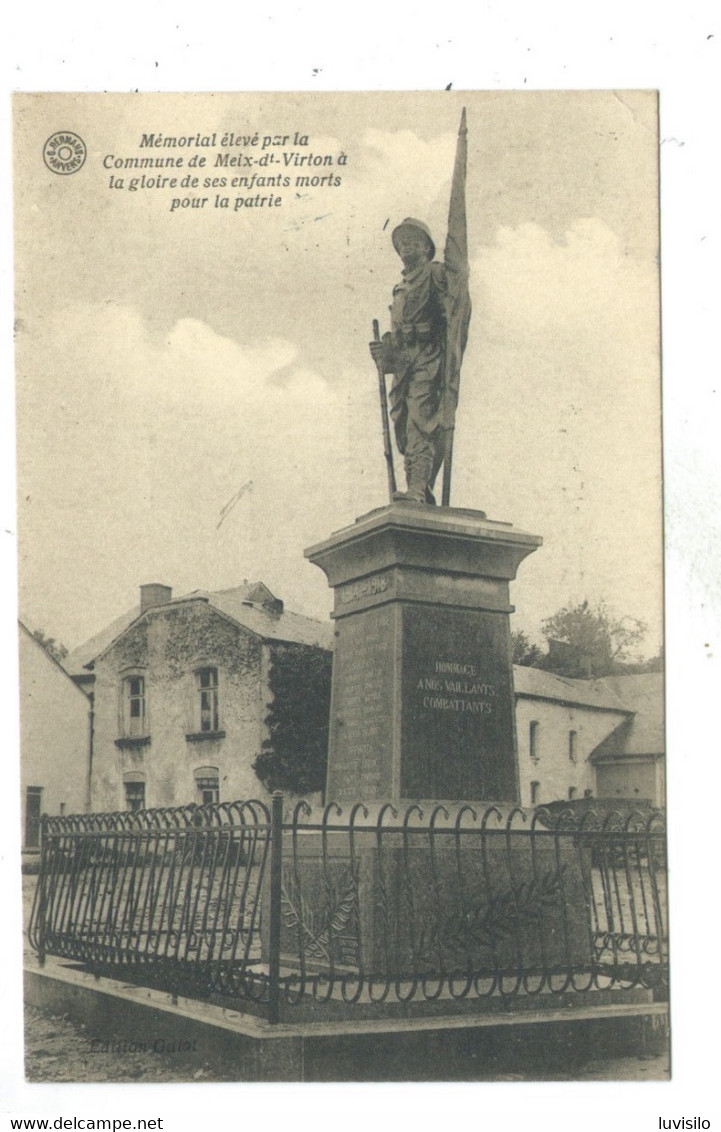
456 260
447 469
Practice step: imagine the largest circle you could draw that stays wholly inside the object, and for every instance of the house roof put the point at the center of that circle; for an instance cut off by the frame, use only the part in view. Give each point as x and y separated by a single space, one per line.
77 659
637 698
251 605
51 659
538 684
261 619
643 694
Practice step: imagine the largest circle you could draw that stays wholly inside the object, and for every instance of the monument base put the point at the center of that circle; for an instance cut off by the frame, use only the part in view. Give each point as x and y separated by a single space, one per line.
408 897
422 702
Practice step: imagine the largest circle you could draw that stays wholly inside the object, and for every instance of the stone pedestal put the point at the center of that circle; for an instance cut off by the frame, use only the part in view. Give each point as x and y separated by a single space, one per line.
422 703
409 905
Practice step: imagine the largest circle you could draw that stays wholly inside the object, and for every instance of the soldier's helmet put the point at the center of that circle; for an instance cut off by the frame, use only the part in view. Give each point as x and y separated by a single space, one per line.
410 222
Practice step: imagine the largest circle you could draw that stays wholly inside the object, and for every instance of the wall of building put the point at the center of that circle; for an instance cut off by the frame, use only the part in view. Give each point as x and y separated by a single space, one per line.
167 646
54 733
170 643
551 765
634 777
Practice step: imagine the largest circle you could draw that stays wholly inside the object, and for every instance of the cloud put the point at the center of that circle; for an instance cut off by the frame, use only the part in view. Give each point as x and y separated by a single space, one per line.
570 328
558 426
131 446
405 172
585 284
389 174
110 346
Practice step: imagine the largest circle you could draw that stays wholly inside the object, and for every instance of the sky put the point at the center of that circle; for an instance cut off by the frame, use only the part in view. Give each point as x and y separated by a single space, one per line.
196 402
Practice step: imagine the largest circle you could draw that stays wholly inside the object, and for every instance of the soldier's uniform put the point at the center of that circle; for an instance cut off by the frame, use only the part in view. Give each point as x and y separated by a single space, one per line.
415 356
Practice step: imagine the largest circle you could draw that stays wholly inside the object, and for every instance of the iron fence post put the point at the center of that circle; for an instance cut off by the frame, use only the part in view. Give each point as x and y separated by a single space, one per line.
42 879
276 868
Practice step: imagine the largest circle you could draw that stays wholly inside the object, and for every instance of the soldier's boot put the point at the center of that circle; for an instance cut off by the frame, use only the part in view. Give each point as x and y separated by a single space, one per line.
418 472
436 464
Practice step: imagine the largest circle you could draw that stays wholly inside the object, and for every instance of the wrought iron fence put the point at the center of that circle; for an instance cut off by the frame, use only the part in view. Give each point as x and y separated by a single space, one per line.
169 896
361 907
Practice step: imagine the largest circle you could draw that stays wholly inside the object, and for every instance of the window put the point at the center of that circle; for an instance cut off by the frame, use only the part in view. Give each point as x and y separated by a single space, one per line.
572 745
207 784
572 792
535 793
533 739
135 795
134 714
133 724
208 699
33 800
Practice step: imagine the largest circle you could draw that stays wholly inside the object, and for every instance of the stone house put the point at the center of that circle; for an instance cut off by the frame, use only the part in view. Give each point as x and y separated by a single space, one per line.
631 762
580 738
181 694
55 728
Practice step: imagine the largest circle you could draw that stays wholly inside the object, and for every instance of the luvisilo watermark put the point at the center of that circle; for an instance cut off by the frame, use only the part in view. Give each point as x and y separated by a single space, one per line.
684 1122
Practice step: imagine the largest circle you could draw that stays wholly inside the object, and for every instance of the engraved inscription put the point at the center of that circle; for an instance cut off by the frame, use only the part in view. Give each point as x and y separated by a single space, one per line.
366 587
457 706
359 756
456 686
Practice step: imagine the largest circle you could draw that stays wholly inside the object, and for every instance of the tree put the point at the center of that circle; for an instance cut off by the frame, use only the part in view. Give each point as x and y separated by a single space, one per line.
295 754
523 651
653 664
56 650
585 640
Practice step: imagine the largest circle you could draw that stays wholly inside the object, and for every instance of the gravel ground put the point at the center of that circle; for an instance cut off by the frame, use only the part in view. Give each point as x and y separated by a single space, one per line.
57 1049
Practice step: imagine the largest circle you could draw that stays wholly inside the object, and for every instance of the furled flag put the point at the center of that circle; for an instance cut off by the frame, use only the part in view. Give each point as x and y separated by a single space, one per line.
458 303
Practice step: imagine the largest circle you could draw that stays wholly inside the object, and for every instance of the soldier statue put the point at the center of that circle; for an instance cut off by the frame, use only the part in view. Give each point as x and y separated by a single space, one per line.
430 313
414 352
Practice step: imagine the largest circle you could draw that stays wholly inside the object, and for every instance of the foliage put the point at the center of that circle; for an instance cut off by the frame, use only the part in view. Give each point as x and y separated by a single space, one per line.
506 912
316 928
653 664
55 649
523 651
585 640
295 754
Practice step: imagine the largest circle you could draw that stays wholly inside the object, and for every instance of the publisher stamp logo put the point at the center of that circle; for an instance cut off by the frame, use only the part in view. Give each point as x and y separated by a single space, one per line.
64 153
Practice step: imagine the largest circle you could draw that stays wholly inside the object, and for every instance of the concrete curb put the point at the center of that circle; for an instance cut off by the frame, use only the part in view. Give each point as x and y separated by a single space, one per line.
125 1019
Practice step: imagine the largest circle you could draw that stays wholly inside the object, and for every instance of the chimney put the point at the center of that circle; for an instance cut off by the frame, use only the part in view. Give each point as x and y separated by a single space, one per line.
154 594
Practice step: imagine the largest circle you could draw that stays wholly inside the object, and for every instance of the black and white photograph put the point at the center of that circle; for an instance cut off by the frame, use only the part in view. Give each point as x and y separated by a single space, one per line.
340 567
363 540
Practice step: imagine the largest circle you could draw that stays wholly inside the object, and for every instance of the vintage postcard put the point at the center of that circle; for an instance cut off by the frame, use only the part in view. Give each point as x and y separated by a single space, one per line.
341 586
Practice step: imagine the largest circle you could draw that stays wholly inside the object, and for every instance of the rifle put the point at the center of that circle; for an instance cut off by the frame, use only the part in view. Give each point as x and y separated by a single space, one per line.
447 468
387 450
